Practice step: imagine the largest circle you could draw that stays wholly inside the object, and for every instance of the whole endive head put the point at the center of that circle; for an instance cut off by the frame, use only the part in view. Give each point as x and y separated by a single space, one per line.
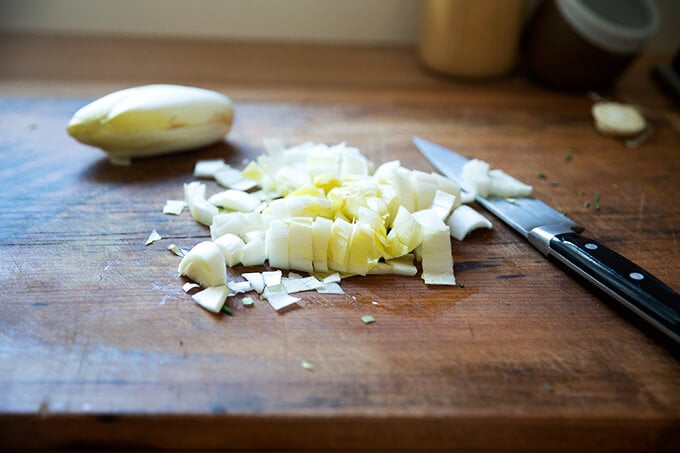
152 119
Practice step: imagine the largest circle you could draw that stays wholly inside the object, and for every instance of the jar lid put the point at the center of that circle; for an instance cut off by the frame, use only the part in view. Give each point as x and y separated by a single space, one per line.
620 26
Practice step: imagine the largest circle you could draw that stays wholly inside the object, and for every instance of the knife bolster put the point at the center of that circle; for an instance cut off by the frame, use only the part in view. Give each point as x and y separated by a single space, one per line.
541 236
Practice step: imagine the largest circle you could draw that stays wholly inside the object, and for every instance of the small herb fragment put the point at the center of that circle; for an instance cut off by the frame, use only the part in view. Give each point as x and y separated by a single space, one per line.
367 319
586 204
568 157
548 387
461 285
541 175
306 365
227 310
596 201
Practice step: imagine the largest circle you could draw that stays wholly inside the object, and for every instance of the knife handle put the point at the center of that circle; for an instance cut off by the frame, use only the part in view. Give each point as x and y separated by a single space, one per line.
625 281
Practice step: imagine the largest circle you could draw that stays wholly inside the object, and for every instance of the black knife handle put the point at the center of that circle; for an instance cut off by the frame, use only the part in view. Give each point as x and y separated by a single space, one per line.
622 279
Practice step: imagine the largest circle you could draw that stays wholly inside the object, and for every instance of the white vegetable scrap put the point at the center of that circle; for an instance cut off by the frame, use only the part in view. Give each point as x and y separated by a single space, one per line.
239 287
235 200
204 264
479 179
188 286
464 220
208 168
247 301
212 298
297 285
435 249
278 298
231 247
153 237
229 177
202 211
272 278
174 207
618 120
332 278
256 281
176 250
330 288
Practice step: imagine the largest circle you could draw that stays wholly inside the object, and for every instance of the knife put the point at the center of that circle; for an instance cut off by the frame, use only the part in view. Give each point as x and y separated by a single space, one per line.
554 234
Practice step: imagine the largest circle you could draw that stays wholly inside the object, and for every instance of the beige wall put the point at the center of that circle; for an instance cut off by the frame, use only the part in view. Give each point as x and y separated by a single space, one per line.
342 21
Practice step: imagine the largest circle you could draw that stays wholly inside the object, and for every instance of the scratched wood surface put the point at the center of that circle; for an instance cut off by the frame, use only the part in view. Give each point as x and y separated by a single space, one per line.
99 345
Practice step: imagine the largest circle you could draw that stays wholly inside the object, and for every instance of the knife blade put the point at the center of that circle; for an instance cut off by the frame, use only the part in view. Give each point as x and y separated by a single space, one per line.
554 234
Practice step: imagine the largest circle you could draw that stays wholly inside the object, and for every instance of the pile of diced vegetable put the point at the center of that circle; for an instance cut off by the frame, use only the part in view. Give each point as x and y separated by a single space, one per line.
325 211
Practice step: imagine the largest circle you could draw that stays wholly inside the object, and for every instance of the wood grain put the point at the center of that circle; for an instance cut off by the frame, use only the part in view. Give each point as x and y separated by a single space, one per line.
100 347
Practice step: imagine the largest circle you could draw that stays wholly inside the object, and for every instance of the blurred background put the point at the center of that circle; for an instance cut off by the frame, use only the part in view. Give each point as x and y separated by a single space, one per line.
383 22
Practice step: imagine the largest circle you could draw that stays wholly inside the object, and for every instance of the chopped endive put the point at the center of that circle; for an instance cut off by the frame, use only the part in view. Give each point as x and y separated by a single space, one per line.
367 319
238 223
272 278
464 220
363 251
153 237
239 287
276 244
208 168
174 207
202 211
188 286
338 247
253 253
406 234
505 186
479 179
443 203
330 288
402 265
204 264
247 301
300 251
278 298
321 233
256 280
332 278
235 200
212 298
297 285
176 250
425 187
231 247
229 177
475 177
437 260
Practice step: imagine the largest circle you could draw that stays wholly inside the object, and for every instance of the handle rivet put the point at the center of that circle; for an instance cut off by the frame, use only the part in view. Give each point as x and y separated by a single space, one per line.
591 246
636 276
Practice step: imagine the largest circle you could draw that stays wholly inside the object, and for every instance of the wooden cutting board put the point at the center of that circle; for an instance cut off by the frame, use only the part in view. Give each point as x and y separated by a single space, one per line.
99 345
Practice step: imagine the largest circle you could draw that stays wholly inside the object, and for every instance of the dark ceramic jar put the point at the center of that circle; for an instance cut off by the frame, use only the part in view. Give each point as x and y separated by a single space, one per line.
586 44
